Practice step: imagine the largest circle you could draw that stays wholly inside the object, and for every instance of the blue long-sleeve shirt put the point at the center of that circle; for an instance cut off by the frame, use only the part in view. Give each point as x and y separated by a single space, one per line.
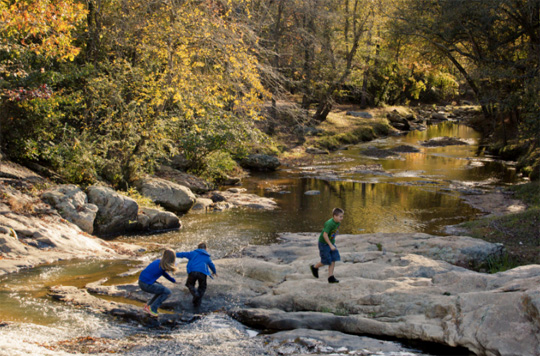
199 261
152 272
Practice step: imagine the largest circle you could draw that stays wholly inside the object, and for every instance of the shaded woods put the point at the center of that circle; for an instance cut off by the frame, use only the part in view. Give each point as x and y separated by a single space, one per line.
107 89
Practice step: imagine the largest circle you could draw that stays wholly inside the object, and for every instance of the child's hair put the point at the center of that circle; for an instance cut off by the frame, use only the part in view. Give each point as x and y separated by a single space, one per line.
167 261
202 245
337 211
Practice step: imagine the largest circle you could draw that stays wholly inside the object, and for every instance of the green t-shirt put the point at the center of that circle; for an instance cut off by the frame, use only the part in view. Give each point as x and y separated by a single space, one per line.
331 228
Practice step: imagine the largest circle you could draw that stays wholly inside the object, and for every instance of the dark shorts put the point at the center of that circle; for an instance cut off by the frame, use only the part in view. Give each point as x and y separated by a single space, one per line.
327 255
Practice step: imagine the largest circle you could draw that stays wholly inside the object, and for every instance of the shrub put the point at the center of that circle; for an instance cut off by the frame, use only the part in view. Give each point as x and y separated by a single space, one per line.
219 165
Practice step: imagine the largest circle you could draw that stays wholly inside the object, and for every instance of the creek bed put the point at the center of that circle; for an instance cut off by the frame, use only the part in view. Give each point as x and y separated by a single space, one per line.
418 191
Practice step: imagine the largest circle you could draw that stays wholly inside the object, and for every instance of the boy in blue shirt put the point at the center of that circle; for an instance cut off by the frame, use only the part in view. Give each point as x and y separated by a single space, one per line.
327 248
197 269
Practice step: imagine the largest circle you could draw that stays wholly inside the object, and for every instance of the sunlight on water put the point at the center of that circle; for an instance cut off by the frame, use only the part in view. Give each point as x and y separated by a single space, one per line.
34 339
24 295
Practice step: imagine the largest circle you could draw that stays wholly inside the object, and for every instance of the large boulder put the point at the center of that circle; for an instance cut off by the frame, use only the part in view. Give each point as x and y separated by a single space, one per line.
260 162
117 213
202 204
195 184
72 204
151 219
438 117
240 199
397 121
170 195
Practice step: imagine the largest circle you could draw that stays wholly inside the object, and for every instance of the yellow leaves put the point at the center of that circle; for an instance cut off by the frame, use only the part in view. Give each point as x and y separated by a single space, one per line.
50 22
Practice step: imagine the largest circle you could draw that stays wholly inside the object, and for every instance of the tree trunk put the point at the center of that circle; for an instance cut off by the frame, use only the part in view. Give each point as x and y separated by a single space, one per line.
325 104
365 78
309 53
468 78
94 25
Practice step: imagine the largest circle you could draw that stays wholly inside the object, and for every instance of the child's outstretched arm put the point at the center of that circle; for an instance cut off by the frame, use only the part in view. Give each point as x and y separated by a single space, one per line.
166 275
212 267
183 255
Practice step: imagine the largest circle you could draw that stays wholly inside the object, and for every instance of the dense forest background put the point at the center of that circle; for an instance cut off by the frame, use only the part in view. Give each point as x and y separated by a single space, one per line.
107 89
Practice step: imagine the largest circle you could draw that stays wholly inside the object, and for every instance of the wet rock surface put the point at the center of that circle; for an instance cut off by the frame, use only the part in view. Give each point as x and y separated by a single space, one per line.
379 153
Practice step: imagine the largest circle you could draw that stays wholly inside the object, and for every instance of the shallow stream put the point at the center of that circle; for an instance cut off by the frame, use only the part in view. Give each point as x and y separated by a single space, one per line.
409 192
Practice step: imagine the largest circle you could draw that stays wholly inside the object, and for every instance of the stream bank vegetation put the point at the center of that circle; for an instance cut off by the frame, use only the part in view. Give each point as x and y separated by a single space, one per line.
108 90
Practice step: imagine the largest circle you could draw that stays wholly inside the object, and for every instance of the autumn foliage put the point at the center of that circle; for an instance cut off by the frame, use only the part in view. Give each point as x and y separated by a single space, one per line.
108 89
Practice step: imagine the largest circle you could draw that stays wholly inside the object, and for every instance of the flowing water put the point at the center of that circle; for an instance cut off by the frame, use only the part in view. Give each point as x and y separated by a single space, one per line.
410 192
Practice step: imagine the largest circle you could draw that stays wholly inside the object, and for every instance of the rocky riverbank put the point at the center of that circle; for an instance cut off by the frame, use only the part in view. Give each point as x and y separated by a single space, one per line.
42 222
400 286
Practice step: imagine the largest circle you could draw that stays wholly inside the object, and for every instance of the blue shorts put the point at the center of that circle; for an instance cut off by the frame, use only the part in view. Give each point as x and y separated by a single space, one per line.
327 255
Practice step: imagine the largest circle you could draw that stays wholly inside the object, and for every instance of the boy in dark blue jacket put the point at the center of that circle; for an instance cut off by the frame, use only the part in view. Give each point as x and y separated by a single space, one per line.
197 269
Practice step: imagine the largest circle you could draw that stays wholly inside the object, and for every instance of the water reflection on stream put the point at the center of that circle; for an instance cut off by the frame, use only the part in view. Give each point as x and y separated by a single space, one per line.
412 192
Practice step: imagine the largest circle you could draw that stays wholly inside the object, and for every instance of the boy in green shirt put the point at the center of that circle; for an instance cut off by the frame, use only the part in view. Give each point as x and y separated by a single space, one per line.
327 248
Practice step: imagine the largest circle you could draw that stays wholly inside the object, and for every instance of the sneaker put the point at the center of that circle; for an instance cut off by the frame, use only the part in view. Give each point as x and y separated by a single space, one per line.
332 279
150 311
314 271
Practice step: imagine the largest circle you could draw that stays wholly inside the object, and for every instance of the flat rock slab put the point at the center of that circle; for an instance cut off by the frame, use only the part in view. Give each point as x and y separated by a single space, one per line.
236 198
81 297
32 233
401 286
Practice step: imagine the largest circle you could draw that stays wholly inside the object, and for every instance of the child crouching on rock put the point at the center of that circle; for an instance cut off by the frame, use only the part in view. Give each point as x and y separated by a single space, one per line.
197 269
149 276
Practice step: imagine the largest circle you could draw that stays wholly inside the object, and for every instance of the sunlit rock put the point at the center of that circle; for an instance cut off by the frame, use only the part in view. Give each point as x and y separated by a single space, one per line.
72 204
150 219
260 162
170 195
117 213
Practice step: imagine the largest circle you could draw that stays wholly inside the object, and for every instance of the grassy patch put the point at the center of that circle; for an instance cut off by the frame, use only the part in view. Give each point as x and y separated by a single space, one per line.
519 232
501 263
140 199
341 129
528 193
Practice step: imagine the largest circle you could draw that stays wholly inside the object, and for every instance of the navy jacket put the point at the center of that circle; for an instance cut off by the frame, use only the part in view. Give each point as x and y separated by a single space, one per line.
152 272
199 261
